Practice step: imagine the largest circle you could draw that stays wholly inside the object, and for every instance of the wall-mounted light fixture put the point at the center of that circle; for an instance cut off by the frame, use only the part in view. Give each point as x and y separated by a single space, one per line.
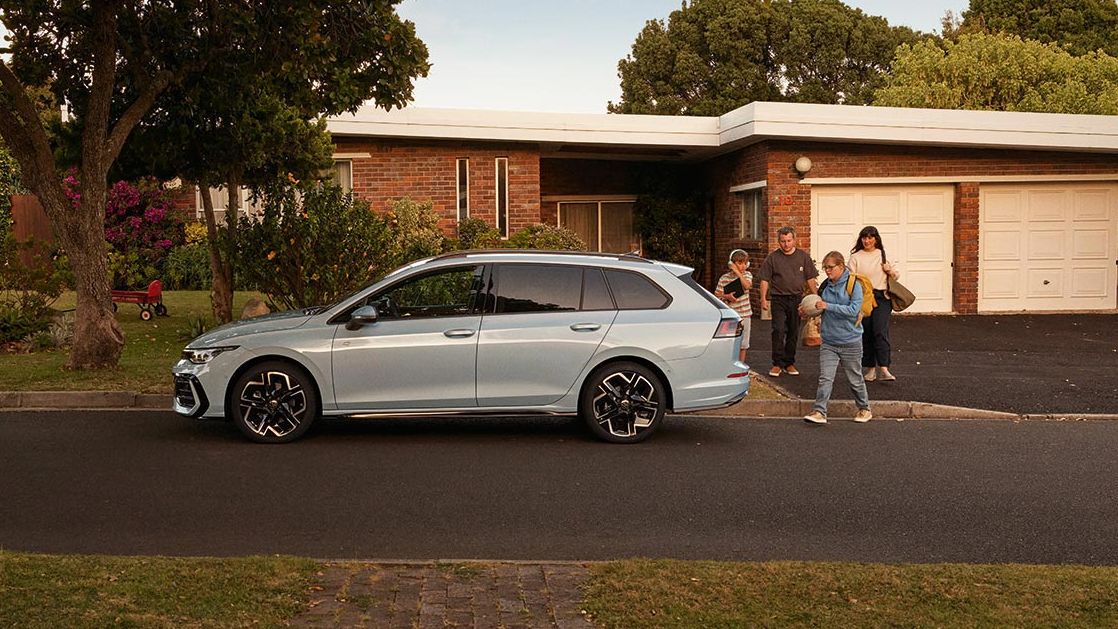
802 165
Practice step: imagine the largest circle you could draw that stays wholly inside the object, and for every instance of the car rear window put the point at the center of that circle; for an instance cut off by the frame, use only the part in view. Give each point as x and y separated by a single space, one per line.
538 288
698 288
633 291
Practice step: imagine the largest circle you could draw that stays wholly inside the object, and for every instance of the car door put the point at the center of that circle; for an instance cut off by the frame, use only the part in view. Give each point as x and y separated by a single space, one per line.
421 352
546 323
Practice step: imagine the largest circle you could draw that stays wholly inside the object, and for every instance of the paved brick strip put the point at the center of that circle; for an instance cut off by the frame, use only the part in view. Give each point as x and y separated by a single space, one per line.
474 595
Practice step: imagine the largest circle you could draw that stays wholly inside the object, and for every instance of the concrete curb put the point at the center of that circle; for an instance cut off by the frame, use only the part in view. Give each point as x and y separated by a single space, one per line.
792 408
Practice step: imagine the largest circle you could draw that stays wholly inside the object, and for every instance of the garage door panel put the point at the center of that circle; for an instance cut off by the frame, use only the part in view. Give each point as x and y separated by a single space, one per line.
926 247
915 222
929 207
1043 282
1002 207
1090 282
836 209
1091 205
1090 244
1048 205
1046 244
881 208
1065 248
1001 284
1001 245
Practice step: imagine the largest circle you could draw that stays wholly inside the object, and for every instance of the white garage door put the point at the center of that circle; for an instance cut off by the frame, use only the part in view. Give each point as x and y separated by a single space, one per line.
916 229
1048 247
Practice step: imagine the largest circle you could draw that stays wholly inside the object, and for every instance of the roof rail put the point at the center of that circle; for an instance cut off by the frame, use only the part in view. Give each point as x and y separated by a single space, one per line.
631 257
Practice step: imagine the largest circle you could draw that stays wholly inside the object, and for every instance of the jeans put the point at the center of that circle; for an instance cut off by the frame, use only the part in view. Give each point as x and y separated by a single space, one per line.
875 335
785 328
850 357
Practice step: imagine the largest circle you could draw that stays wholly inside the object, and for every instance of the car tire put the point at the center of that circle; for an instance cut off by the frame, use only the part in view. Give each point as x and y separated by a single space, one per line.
623 402
273 402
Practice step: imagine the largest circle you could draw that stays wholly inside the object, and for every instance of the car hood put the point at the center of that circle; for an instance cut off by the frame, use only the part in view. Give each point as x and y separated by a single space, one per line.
266 323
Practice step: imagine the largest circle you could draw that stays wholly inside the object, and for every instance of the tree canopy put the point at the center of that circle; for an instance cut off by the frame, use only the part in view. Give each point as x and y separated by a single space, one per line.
1001 72
1079 26
715 55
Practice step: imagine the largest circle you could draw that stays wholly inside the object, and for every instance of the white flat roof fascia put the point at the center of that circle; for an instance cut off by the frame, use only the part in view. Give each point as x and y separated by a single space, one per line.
749 123
895 125
462 124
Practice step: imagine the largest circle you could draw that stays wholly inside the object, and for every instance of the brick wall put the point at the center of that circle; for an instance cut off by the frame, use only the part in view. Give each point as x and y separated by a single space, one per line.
426 171
965 273
741 167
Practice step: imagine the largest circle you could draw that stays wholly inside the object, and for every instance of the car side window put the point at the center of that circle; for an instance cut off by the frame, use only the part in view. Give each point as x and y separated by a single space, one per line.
538 288
633 291
595 293
446 293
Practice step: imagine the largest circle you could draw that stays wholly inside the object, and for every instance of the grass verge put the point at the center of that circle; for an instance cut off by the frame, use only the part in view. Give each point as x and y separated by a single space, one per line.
96 591
151 348
668 594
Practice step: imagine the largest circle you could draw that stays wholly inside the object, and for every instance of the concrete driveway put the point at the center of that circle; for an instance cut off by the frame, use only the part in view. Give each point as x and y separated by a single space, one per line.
1014 363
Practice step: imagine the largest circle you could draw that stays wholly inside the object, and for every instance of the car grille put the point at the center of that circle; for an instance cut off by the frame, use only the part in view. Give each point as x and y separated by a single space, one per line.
184 393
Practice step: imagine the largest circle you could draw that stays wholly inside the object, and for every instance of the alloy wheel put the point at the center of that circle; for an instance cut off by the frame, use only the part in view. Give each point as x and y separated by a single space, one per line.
273 403
625 403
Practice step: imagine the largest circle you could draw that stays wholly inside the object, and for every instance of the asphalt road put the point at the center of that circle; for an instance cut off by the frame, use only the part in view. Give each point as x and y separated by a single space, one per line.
704 488
1060 363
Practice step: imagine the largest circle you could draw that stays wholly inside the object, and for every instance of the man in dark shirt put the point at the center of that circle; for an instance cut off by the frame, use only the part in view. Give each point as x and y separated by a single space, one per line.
782 275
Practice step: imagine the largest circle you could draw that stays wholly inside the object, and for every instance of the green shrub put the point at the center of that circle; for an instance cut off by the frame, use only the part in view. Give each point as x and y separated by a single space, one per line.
26 292
415 231
672 228
188 268
549 237
474 233
312 245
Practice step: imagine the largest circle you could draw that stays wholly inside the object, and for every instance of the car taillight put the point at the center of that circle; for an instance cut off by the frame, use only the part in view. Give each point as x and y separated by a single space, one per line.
728 328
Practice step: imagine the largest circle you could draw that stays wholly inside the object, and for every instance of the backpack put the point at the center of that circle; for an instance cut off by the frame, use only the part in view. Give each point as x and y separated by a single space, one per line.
869 302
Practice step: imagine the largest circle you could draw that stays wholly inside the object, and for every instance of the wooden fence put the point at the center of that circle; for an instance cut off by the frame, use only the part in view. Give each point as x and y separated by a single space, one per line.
30 222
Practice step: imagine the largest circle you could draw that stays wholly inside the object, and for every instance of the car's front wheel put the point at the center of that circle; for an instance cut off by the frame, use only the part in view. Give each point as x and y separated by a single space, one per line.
623 402
273 402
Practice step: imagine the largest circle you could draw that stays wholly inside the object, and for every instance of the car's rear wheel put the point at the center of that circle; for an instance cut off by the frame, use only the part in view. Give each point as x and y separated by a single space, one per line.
623 402
273 402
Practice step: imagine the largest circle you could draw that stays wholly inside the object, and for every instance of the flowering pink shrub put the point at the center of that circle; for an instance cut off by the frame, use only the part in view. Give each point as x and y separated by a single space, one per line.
141 226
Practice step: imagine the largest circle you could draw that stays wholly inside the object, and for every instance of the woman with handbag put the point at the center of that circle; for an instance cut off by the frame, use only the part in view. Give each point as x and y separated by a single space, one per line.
868 258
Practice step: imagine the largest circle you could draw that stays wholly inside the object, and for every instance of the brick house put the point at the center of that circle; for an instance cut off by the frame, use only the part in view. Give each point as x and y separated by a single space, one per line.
982 211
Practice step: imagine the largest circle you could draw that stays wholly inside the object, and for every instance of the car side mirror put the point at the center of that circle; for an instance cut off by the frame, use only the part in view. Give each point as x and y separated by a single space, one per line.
365 315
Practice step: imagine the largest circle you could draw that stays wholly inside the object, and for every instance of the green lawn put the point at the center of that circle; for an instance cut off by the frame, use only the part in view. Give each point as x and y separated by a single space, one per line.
100 591
51 591
645 594
150 349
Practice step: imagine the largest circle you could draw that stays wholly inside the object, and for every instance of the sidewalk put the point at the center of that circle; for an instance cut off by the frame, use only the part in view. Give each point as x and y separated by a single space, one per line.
430 595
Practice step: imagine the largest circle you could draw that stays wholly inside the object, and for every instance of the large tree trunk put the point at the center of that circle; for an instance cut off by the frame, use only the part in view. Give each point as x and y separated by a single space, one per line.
221 268
98 337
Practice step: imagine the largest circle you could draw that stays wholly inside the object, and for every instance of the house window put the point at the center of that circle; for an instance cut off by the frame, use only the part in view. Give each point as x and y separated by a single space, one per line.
752 214
463 187
605 226
503 196
343 174
250 206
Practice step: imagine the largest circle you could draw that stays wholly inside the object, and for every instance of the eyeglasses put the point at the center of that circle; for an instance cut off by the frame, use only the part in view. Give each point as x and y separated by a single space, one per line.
828 267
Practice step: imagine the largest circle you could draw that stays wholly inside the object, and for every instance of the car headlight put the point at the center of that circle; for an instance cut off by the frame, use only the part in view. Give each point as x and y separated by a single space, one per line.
203 355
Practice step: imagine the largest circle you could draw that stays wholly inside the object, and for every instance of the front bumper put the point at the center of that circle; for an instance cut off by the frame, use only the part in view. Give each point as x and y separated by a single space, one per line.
190 397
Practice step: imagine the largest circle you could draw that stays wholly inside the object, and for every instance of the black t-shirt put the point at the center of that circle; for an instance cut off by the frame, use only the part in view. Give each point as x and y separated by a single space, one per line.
787 272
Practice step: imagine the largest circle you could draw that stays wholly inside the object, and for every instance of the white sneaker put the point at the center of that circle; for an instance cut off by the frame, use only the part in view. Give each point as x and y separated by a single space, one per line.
870 374
863 415
885 375
815 417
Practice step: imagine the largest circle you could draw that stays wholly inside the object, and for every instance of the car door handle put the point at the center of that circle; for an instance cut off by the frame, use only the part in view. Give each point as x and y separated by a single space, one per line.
459 334
585 327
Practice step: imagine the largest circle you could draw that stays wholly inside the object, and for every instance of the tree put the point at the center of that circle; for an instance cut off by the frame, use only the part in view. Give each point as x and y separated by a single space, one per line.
1001 72
715 55
1078 26
86 54
257 114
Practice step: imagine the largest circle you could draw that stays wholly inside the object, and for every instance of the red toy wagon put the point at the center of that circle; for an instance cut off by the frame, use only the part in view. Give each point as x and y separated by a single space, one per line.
150 301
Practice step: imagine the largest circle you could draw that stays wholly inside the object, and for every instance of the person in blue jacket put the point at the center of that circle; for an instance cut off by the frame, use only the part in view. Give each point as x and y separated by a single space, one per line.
842 340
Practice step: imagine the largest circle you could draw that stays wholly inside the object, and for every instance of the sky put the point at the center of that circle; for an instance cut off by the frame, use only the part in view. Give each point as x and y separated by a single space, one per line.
560 55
